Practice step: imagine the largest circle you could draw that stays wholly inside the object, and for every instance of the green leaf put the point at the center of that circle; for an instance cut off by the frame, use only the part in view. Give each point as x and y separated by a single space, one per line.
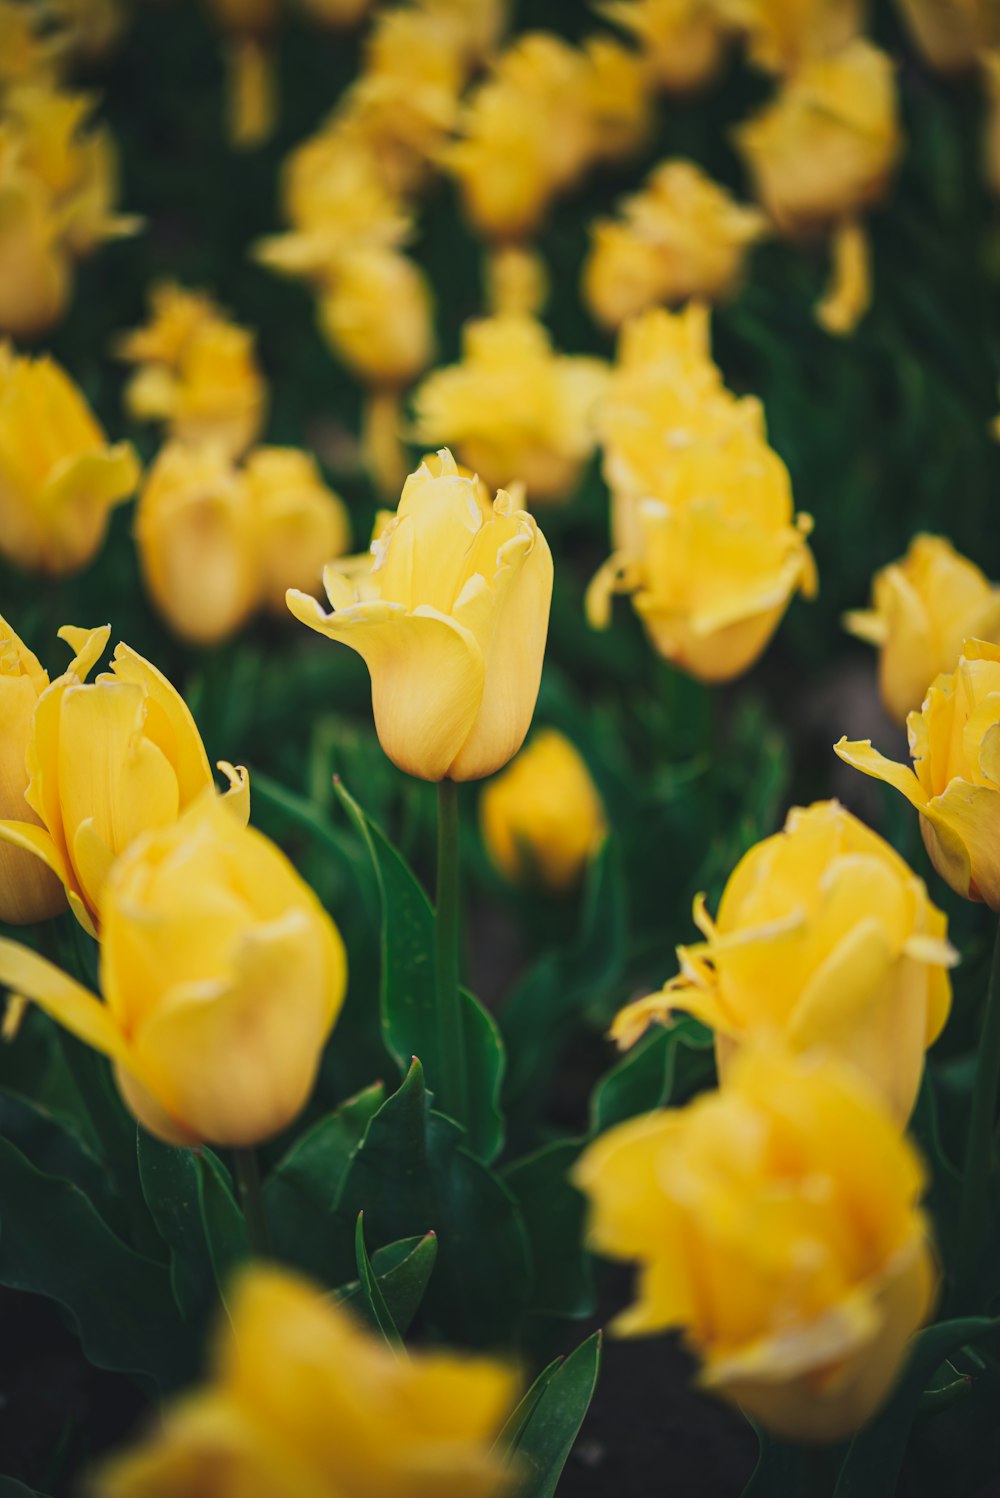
412 1175
514 1426
53 1243
301 1192
667 1065
402 1270
409 991
222 1220
554 1213
372 1298
171 1187
875 1455
546 1438
55 1149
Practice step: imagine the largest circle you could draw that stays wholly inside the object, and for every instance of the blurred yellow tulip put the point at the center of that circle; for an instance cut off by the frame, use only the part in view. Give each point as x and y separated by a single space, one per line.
108 760
619 94
303 1401
951 33
923 609
776 1223
682 236
301 524
450 614
542 818
955 780
783 34
377 316
513 408
59 478
221 972
28 890
826 937
683 40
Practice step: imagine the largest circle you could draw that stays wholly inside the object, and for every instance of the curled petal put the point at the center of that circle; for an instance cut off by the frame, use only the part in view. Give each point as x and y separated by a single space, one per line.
71 1005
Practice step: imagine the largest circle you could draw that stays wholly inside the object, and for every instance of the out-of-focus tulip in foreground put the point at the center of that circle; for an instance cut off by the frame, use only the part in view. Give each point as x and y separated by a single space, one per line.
826 937
777 1224
449 612
303 1401
222 976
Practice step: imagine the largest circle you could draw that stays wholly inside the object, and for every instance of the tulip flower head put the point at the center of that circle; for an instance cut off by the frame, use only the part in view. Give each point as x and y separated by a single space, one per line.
682 40
59 477
777 1224
29 891
108 760
620 96
222 976
784 34
825 937
303 1400
955 780
923 609
450 613
542 818
513 408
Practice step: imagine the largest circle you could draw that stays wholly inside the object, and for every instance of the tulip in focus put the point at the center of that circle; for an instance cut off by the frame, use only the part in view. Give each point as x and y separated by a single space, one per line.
542 818
108 760
955 781
28 890
59 478
776 1224
923 609
450 615
303 1400
683 236
221 972
513 408
682 40
825 937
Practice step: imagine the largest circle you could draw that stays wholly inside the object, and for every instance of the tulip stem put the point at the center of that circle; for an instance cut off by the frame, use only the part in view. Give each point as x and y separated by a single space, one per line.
252 1201
979 1149
451 1083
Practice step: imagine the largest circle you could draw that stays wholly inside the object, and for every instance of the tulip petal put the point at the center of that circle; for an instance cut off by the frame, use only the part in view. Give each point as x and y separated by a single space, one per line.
237 798
169 722
87 645
68 1002
427 677
961 831
861 756
36 840
78 497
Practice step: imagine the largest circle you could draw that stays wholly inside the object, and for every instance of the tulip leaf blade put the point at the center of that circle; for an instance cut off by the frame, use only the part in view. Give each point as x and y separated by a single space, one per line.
506 1441
876 1453
544 1441
225 1228
554 1213
667 1065
409 1000
403 1270
372 1298
119 1302
169 1178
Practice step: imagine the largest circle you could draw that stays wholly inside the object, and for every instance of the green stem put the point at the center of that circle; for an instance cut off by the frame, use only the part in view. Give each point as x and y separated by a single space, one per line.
252 1201
451 1084
979 1148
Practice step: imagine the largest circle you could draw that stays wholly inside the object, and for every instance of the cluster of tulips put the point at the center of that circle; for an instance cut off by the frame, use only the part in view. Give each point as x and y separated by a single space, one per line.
777 1220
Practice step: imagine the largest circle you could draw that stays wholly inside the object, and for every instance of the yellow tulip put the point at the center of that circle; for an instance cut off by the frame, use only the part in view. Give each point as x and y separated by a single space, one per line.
377 316
197 372
513 408
35 270
826 937
542 818
58 477
28 890
516 280
783 34
955 780
619 91
198 543
26 52
849 293
221 972
776 1224
683 236
450 615
683 40
303 1402
950 33
825 146
106 761
300 523
923 609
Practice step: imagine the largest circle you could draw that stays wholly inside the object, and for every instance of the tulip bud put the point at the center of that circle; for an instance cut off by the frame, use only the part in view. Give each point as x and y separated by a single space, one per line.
826 936
450 615
198 543
303 1399
776 1223
955 780
542 817
923 608
301 524
28 890
35 273
377 316
222 977
106 761
59 479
